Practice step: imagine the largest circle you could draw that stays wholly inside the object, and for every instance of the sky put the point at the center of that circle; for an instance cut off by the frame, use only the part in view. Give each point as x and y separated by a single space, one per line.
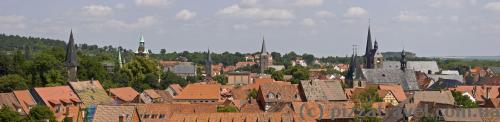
319 27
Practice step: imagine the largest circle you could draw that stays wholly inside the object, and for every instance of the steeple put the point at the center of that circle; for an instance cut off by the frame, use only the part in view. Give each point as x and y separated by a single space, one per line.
263 50
142 48
403 60
368 42
71 61
208 66
369 57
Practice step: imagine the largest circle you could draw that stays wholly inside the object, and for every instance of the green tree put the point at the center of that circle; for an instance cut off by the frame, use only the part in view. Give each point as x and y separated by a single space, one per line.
171 78
222 79
298 73
163 51
137 69
9 83
41 113
9 115
463 101
253 94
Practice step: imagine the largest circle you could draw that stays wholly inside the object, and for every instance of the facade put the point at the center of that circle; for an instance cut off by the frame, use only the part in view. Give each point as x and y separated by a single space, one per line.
71 61
239 78
388 97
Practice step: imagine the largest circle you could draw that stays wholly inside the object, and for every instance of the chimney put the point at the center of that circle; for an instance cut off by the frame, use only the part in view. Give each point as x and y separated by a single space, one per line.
92 80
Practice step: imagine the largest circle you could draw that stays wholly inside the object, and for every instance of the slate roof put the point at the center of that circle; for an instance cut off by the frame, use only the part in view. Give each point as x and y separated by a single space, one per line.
458 78
110 113
124 93
184 68
200 91
323 90
9 99
422 66
444 97
495 69
25 99
91 92
406 78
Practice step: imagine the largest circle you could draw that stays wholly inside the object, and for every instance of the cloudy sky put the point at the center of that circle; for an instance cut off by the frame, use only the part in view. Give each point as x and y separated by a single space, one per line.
320 27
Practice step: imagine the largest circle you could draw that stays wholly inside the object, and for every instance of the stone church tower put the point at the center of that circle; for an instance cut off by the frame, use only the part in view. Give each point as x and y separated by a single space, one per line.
71 62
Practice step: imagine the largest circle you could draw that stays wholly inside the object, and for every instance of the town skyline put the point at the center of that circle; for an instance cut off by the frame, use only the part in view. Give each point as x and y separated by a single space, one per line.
323 28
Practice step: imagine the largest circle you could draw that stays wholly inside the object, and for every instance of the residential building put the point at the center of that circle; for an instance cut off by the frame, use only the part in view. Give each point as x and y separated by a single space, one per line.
61 100
239 78
480 93
442 97
174 89
200 93
10 100
115 113
277 94
91 93
184 69
25 100
165 112
396 90
322 90
124 95
155 96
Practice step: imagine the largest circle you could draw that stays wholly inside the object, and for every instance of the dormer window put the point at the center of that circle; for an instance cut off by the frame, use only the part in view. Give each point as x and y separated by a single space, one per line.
270 95
278 96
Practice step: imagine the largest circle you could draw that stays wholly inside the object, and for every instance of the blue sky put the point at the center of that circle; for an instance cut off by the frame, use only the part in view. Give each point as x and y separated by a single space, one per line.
320 27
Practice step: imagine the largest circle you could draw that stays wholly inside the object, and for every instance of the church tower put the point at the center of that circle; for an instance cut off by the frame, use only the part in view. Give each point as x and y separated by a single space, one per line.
265 59
208 67
403 60
370 52
71 62
141 51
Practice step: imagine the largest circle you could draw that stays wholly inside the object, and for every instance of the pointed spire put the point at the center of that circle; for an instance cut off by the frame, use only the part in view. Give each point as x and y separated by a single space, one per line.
71 60
142 39
368 42
263 50
208 66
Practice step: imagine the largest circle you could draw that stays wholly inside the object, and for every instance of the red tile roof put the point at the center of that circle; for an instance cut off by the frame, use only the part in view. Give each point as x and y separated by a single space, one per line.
125 93
480 91
177 88
397 90
284 92
56 94
152 93
25 99
200 91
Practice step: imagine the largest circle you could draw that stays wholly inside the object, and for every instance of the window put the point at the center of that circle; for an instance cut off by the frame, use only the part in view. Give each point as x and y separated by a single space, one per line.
154 116
58 108
162 116
146 116
270 95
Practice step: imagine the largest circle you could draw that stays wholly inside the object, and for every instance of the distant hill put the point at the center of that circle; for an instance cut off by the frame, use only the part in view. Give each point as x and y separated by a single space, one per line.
494 58
13 42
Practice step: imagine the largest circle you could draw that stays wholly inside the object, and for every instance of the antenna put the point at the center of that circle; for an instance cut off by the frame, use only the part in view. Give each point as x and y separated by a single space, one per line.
403 44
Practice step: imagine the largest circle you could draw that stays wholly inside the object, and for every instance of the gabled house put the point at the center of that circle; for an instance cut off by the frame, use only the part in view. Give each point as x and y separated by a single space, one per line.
396 90
61 100
91 92
124 95
277 94
10 100
322 90
25 100
200 93
481 94
155 96
174 89
442 97
114 113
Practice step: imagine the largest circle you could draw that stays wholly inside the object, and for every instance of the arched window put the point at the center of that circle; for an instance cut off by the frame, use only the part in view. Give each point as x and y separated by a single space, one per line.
270 95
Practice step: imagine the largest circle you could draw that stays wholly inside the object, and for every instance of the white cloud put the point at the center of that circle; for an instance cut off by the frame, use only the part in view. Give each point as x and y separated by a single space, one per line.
240 27
355 12
249 2
406 16
454 4
308 22
185 15
309 2
325 14
493 6
274 23
152 2
258 13
12 22
97 10
142 22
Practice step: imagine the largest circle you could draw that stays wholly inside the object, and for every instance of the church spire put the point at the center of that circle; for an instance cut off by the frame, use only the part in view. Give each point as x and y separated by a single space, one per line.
71 61
403 60
263 50
208 66
368 42
265 59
